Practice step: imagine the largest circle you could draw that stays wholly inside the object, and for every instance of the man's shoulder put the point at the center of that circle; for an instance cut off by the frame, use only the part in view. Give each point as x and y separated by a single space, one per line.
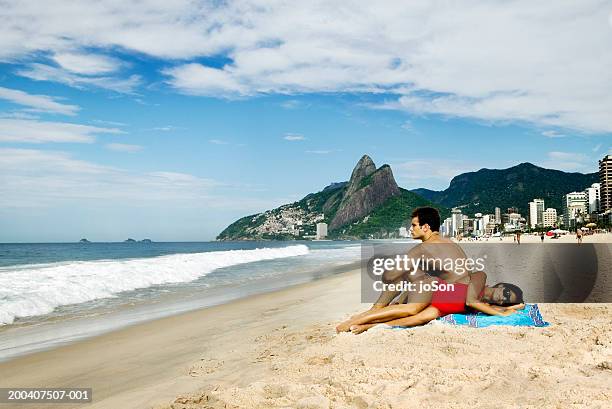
440 239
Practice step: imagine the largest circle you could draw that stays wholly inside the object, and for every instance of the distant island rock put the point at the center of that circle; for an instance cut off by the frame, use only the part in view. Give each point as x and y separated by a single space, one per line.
130 241
146 241
84 241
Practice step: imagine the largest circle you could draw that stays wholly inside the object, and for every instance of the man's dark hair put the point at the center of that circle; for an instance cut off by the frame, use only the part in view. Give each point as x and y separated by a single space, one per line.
428 215
515 289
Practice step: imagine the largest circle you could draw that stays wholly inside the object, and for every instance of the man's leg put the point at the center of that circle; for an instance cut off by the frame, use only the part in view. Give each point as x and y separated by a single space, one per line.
428 314
390 312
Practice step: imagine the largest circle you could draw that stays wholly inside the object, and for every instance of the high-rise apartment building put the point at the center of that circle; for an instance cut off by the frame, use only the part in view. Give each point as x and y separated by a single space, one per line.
605 182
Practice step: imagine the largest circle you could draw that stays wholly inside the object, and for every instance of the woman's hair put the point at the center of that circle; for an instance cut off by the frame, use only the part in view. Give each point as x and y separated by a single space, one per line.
515 289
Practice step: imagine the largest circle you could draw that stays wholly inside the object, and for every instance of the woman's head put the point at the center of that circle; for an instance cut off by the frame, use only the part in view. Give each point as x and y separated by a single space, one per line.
506 294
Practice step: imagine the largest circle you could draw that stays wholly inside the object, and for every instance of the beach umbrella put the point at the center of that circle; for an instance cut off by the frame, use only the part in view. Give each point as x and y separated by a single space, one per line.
585 228
591 225
550 233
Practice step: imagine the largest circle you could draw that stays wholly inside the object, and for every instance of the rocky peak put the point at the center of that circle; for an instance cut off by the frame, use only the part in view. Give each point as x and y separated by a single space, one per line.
364 168
367 189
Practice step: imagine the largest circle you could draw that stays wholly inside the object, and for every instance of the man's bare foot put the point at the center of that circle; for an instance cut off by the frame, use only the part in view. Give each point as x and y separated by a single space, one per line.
344 326
358 329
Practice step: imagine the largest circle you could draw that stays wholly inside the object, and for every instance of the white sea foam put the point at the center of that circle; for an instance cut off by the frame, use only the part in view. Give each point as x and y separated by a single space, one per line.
38 290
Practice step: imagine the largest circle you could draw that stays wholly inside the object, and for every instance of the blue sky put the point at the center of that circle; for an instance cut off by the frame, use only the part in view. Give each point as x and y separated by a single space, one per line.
169 121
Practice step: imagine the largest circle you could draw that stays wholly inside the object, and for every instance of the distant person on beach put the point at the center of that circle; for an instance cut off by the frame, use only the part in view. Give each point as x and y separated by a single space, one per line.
425 226
502 299
579 235
542 237
518 237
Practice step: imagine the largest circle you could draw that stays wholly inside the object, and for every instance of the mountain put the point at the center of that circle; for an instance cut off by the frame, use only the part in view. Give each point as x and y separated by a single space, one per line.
369 204
486 189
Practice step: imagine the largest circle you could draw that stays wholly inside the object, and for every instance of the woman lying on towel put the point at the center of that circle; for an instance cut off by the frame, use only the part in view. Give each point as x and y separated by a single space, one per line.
501 299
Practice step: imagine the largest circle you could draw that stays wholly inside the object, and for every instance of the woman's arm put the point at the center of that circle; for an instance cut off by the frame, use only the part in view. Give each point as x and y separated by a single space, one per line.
477 283
489 309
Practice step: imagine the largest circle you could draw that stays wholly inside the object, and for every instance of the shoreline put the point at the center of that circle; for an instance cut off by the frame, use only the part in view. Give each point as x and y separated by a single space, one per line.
152 362
48 334
279 349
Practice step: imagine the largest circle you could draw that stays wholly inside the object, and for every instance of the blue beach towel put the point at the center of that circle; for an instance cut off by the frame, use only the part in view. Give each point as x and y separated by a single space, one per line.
529 316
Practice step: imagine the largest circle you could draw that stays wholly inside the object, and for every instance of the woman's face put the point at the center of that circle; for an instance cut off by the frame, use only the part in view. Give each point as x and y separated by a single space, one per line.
503 295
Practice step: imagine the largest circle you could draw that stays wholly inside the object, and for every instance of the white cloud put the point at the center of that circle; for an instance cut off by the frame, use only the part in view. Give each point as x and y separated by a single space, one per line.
44 72
34 131
112 123
218 142
487 60
31 177
18 115
407 125
432 174
197 79
123 147
555 155
40 103
292 104
553 134
166 128
596 147
87 64
320 152
569 162
293 137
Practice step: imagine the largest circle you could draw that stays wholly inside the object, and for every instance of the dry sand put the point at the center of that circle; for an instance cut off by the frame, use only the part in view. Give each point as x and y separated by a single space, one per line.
566 365
280 350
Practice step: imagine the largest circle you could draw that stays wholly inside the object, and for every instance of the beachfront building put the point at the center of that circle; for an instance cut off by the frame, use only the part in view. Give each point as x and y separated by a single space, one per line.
536 213
513 221
605 182
468 227
593 195
549 217
576 207
484 224
321 231
457 222
490 228
447 227
403 232
498 218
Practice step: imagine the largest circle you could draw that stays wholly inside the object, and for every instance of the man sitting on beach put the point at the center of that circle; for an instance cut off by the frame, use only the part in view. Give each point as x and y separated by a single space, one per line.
425 226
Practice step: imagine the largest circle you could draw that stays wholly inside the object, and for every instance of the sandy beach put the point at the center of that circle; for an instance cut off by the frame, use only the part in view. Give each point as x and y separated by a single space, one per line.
280 350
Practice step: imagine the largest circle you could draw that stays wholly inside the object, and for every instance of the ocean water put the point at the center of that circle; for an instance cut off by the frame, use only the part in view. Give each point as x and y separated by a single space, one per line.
54 293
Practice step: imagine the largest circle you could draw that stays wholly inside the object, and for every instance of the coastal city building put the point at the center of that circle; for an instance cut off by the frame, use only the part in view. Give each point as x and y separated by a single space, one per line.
447 227
549 217
321 231
498 218
536 213
513 221
605 181
575 209
593 195
467 227
490 223
457 222
403 232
